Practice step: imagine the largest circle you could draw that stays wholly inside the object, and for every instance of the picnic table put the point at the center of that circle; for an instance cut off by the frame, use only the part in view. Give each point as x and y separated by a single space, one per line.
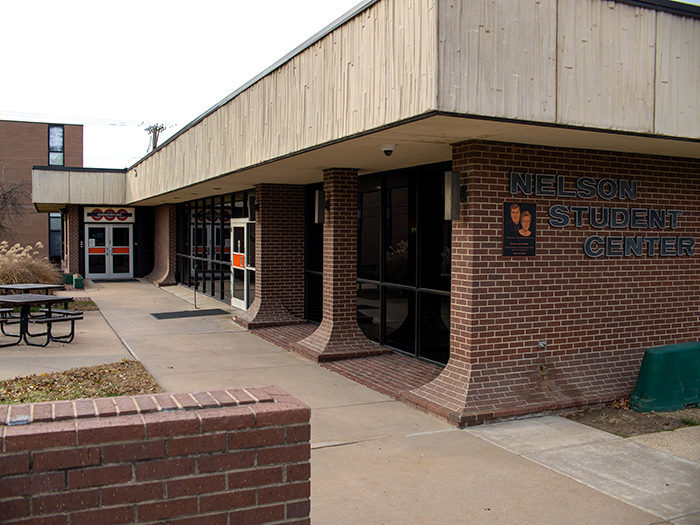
46 316
29 287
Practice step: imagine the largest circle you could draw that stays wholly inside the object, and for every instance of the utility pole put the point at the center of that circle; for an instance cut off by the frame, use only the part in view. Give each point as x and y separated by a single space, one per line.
154 131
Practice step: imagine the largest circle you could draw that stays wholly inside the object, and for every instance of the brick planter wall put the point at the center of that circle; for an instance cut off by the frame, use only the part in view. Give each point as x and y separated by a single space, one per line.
234 456
598 315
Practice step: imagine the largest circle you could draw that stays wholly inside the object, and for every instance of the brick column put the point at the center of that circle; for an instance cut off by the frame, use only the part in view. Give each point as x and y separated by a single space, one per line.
279 258
339 336
71 263
163 273
446 396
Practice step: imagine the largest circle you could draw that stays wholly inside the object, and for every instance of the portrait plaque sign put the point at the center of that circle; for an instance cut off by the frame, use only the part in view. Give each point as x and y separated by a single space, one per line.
519 229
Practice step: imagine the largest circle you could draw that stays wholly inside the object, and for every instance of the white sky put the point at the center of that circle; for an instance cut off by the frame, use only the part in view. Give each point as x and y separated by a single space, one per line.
118 67
115 65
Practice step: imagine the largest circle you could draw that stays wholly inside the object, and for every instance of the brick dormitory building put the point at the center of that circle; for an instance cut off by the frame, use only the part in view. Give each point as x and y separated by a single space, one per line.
23 145
509 189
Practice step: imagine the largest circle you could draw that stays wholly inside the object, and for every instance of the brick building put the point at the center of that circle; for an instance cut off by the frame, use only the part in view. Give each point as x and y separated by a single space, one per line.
506 188
24 145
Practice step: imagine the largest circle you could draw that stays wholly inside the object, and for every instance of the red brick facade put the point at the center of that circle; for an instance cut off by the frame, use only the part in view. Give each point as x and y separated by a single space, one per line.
71 260
597 315
24 145
234 456
279 257
339 336
163 273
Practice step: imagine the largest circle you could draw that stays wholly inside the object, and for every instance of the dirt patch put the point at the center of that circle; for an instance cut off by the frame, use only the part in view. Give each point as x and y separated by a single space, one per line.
617 418
124 378
84 305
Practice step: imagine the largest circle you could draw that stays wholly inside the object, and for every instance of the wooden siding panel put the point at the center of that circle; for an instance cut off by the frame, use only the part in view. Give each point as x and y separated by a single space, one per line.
375 69
583 63
78 187
113 192
606 65
498 58
50 186
678 76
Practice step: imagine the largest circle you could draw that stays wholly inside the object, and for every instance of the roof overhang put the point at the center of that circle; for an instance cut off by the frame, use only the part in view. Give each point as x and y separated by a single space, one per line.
423 140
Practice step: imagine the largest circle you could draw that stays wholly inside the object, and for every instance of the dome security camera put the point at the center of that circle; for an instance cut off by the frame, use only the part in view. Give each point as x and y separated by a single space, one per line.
388 149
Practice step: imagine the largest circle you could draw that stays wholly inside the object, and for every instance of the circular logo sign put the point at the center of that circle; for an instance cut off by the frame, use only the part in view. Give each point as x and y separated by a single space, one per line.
109 215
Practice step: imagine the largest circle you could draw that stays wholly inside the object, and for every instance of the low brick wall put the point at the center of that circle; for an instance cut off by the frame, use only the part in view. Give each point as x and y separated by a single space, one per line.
227 456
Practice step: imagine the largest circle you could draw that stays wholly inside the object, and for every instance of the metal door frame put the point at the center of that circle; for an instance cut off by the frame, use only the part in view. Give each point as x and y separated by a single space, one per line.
241 265
109 251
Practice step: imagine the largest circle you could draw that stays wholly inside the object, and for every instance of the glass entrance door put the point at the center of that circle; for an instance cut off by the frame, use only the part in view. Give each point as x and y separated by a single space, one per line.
242 263
109 253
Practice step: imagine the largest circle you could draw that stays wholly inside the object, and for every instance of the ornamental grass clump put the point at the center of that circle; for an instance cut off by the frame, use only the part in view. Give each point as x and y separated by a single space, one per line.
22 264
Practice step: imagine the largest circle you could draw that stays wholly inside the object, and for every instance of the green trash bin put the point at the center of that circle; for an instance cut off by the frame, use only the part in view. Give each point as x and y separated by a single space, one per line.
78 281
669 379
67 278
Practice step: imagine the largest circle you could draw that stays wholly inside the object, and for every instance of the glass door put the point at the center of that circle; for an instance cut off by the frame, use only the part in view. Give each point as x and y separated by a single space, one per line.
242 263
109 253
96 252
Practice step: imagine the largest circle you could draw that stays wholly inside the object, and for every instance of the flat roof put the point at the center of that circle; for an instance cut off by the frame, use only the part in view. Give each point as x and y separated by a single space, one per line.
89 170
667 6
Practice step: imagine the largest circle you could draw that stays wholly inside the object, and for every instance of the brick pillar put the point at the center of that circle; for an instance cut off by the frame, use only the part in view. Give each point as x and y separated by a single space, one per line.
279 258
71 263
446 395
339 336
165 223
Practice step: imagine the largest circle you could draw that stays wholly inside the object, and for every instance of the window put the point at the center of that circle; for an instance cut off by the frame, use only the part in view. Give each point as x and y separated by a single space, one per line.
403 261
56 151
204 244
314 259
55 237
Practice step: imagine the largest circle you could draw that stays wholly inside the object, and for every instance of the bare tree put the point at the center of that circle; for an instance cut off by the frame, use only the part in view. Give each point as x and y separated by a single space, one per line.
13 198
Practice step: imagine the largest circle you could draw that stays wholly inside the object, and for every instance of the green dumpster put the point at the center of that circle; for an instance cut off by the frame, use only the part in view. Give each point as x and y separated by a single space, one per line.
669 379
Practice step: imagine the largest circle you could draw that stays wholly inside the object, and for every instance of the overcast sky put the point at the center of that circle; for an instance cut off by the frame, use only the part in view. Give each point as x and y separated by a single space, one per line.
118 67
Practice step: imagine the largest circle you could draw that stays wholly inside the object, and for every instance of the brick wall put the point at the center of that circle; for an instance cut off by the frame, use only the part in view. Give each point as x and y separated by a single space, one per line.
234 456
163 273
24 145
73 146
598 315
279 257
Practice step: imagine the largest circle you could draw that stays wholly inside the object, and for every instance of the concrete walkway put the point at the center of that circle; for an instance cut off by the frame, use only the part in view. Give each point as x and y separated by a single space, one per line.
375 460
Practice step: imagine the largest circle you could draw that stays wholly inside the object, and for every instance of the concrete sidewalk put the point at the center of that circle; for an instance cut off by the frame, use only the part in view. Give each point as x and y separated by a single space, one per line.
375 460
